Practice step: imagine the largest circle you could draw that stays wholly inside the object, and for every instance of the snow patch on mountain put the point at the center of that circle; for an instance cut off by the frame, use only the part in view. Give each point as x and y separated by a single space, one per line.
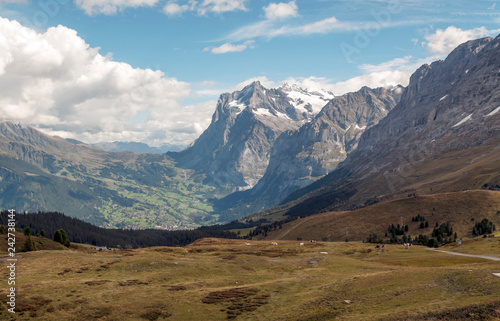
463 120
493 112
237 104
262 112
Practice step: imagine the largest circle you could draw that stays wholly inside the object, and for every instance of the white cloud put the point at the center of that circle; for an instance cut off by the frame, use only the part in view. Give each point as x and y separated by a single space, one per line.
395 64
172 8
57 82
390 73
228 47
444 41
322 26
372 80
281 10
215 6
271 28
109 7
208 92
219 6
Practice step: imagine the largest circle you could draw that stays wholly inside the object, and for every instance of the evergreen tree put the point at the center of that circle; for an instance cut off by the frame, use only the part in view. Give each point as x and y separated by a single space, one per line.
483 228
64 236
28 245
42 233
27 231
58 237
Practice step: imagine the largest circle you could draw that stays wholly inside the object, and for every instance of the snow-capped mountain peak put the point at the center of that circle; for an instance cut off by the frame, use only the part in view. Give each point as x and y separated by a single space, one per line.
310 100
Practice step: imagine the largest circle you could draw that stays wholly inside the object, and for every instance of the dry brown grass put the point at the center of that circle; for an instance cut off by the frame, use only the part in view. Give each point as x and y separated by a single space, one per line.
258 282
461 209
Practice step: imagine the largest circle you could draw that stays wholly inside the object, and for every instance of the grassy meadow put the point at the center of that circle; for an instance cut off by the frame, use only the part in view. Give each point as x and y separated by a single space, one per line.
215 279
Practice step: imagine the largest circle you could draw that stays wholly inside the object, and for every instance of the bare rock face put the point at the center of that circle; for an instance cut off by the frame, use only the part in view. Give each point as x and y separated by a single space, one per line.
233 152
444 135
300 157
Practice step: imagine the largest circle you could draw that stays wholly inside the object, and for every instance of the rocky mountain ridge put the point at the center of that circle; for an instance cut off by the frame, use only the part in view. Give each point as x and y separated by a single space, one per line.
300 157
443 136
234 150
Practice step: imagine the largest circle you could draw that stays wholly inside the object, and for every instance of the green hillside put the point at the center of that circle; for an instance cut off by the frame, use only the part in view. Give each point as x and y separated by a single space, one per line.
111 189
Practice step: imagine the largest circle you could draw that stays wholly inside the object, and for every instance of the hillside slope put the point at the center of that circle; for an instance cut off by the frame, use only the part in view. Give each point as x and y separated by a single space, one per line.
123 189
461 209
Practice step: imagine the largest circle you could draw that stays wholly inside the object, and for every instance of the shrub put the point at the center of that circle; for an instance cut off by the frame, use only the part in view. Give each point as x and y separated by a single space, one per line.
432 243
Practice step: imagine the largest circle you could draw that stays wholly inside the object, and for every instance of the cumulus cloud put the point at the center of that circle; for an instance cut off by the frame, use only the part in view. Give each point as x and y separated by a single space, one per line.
109 7
57 82
228 47
444 41
281 10
173 7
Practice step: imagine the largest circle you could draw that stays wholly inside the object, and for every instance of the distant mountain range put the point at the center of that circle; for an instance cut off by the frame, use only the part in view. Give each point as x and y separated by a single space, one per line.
136 147
303 149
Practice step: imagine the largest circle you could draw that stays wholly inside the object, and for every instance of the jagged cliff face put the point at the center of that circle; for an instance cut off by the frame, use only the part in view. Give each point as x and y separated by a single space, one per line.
234 151
300 157
444 135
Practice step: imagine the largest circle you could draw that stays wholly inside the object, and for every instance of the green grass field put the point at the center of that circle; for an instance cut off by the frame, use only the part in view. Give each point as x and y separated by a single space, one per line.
216 279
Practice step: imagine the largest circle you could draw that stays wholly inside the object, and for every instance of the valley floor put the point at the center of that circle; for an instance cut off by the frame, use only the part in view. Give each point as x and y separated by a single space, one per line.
215 279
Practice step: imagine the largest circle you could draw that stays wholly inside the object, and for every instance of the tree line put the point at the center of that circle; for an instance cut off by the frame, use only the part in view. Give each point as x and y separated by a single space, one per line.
82 232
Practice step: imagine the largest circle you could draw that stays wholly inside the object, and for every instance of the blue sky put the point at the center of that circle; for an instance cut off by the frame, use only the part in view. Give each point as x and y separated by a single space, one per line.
152 70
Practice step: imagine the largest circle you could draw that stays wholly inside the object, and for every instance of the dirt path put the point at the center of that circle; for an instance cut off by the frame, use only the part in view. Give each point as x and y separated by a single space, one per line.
486 257
302 220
